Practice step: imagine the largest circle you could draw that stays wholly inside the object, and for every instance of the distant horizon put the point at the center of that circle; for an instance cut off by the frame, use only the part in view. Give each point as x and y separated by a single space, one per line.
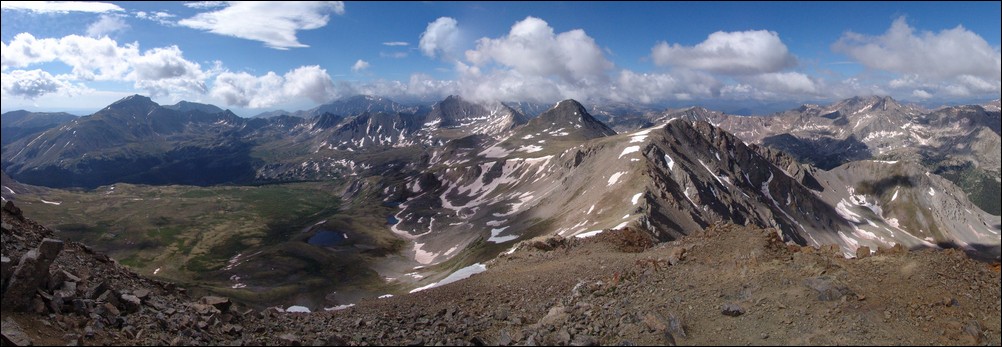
778 106
263 56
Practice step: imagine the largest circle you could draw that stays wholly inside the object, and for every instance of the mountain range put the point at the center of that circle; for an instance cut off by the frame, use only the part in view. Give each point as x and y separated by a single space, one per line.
466 181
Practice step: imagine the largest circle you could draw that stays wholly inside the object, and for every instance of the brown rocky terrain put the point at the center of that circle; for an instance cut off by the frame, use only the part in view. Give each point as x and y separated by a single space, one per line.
727 285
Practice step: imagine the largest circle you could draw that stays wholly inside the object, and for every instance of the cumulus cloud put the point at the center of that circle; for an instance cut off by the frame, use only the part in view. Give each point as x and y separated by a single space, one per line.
739 53
30 84
273 23
956 62
159 70
921 94
785 82
440 38
163 71
245 90
654 87
360 65
948 54
106 25
90 58
533 50
60 6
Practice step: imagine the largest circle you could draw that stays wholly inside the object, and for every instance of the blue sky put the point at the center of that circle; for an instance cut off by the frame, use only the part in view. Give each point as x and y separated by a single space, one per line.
254 57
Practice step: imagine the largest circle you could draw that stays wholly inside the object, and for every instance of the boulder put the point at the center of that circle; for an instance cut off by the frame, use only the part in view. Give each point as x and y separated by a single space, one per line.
31 273
220 303
732 310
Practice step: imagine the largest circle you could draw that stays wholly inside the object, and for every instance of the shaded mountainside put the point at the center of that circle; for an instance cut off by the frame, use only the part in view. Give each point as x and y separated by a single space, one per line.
725 285
135 140
16 125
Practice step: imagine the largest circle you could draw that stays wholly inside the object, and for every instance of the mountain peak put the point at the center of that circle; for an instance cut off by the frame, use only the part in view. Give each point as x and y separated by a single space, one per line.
185 106
133 104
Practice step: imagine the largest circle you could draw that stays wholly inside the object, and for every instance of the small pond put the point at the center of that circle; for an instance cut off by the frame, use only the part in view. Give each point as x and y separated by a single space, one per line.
328 238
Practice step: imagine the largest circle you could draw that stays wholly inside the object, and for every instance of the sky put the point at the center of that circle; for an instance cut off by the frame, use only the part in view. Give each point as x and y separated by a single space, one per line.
252 57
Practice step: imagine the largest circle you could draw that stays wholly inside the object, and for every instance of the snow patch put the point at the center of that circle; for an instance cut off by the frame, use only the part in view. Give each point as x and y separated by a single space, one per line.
460 274
932 192
530 149
588 234
339 307
895 197
500 239
385 296
629 150
57 203
636 198
615 178
297 309
669 162
495 152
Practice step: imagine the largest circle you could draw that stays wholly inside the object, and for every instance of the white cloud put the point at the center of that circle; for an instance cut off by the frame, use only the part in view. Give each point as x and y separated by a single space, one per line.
245 90
785 82
158 71
273 23
163 71
395 43
59 6
205 4
945 55
164 18
30 84
360 65
533 50
440 37
90 58
738 53
921 94
106 25
654 87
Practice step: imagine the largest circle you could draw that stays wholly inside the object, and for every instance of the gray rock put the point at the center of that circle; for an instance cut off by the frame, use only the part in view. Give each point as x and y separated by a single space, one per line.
6 270
584 340
220 303
31 273
13 335
95 290
732 310
675 326
131 302
290 340
141 293
827 289
554 317
504 339
50 248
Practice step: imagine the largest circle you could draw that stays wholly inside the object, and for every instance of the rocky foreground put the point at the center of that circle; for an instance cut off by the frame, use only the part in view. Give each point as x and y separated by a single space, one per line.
727 285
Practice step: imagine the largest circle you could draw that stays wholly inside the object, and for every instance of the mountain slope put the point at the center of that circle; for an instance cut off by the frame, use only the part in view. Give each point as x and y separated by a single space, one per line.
134 140
671 181
951 141
16 125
